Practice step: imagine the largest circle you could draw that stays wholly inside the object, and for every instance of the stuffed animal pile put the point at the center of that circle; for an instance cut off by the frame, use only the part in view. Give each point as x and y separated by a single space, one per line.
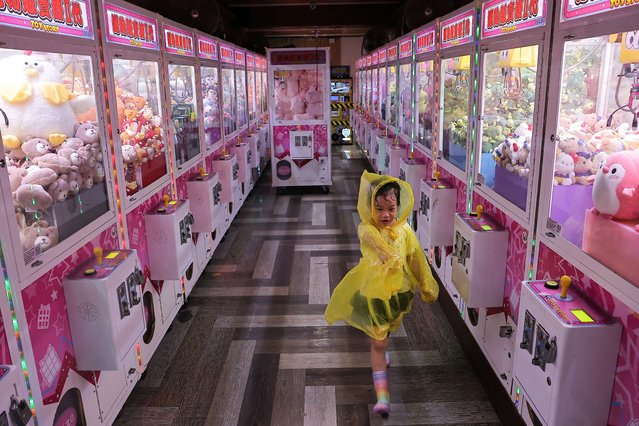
41 175
299 96
584 143
513 153
51 154
140 135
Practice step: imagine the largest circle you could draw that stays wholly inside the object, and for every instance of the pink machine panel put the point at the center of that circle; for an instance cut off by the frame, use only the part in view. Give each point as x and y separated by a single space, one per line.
574 310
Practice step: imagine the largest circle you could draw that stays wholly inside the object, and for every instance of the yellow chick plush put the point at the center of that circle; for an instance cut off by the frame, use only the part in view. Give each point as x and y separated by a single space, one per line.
35 101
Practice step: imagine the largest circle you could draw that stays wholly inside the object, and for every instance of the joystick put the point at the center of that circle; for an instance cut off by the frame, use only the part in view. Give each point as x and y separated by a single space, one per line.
564 282
166 200
437 175
480 210
98 255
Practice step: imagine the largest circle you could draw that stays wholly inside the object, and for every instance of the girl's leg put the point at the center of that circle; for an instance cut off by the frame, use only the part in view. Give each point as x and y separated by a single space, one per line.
380 380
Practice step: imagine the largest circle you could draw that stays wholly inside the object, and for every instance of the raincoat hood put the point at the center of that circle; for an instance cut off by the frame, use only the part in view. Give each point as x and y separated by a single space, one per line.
370 183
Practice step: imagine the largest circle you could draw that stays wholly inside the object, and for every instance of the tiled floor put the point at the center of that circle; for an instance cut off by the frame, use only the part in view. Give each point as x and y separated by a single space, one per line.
251 346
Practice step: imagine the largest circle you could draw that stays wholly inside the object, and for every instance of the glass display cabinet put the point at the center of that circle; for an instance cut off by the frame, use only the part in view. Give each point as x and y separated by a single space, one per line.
240 90
380 112
227 61
405 88
210 94
425 87
392 107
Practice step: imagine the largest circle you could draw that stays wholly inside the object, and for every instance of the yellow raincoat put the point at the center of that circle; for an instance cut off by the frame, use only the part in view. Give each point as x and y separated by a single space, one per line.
376 294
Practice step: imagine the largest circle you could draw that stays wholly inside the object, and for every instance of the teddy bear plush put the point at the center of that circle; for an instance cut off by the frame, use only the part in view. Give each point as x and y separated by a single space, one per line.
56 163
72 143
39 176
98 173
72 155
87 133
39 234
15 177
36 147
74 179
129 153
32 198
59 190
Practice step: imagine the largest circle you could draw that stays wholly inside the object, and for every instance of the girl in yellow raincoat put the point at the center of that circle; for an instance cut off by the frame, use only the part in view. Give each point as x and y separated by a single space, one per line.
376 294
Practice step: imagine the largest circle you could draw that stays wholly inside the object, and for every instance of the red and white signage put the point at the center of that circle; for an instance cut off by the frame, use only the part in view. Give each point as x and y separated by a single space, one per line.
57 17
392 53
508 16
178 42
129 28
206 48
240 57
458 30
425 40
406 47
226 54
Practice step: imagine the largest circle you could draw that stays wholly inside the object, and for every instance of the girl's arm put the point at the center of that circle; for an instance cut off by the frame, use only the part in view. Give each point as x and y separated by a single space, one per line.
416 261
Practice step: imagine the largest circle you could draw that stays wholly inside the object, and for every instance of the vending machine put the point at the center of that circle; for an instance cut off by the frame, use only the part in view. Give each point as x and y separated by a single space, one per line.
300 117
210 108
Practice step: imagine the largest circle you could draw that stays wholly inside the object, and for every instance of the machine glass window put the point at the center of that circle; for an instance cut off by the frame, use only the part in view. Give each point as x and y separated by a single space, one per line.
455 93
211 112
184 127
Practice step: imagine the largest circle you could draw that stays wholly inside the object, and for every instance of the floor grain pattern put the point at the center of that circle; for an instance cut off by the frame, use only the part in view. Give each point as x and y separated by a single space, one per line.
255 349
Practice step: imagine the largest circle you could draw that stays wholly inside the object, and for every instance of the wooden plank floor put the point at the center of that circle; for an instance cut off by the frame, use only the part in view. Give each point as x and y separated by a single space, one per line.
251 346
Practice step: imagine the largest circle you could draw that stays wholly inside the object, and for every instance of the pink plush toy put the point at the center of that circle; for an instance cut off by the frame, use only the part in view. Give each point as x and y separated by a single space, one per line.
616 188
59 190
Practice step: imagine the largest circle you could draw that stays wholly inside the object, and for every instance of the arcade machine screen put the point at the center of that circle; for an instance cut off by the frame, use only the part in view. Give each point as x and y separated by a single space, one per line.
405 95
340 87
598 114
52 146
240 90
392 96
212 128
508 97
184 112
456 95
425 103
228 100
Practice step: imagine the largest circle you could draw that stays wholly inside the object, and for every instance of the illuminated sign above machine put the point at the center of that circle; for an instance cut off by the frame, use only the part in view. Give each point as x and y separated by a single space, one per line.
508 16
130 29
206 48
226 54
425 40
392 53
575 9
71 18
178 41
406 47
457 30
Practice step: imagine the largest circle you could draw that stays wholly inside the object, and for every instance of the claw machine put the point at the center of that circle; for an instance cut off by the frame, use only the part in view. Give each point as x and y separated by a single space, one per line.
209 92
588 218
457 36
227 80
425 80
300 117
56 187
241 97
260 100
512 78
138 115
178 57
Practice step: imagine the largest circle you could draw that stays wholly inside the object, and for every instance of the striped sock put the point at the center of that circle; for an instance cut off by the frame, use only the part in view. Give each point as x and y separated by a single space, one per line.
383 396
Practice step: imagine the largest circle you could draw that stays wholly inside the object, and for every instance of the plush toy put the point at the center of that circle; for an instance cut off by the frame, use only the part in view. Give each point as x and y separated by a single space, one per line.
15 177
39 176
98 173
564 169
616 187
129 154
87 180
59 190
35 101
72 143
74 179
72 155
32 198
87 133
88 160
56 163
36 147
39 234
583 168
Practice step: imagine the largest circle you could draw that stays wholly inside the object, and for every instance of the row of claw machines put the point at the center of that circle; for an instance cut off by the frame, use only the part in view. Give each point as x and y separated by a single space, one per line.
516 124
129 144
